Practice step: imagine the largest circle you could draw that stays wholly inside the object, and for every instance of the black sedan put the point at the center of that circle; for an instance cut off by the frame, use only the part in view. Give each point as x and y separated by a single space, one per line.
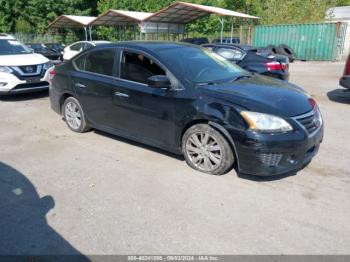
188 100
254 59
56 47
51 54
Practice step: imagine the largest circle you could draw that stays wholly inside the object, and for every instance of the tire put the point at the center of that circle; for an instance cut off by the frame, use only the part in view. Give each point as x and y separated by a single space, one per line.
202 143
74 115
287 51
272 49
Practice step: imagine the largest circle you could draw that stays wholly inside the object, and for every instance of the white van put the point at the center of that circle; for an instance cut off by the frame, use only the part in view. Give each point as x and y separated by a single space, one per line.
21 71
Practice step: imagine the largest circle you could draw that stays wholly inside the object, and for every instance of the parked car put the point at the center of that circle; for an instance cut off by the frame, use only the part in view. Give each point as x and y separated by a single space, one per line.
56 46
196 41
21 71
345 80
45 51
188 100
253 59
227 40
78 47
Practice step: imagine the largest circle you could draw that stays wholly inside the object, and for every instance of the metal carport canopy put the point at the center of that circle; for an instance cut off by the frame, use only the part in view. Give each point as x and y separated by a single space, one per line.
183 13
73 21
119 17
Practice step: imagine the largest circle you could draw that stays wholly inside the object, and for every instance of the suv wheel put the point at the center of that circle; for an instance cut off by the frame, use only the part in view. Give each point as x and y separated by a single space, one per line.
205 149
74 115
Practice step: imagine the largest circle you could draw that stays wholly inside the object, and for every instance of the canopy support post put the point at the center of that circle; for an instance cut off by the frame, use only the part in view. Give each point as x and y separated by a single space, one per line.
231 31
86 34
90 29
222 21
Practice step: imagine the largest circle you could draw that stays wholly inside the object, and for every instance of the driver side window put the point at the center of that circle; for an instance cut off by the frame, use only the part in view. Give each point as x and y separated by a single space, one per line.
138 68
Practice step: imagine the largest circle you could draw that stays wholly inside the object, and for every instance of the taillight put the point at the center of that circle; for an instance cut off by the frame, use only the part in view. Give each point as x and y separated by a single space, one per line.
347 67
52 73
273 66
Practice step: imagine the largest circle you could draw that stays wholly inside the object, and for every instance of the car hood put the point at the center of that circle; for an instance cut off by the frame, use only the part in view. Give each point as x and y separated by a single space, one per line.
25 59
263 94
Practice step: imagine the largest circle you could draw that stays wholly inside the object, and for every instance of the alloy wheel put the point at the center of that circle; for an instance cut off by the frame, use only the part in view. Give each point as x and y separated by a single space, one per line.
204 151
73 115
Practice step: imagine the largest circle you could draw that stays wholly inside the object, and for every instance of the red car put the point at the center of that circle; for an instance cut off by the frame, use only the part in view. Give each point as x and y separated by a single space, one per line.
345 80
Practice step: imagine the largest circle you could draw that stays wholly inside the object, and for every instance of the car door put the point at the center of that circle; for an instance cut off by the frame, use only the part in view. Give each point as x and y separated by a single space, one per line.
93 83
142 111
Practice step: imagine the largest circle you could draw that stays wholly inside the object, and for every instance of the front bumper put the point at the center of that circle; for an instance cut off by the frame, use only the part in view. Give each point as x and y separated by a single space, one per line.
275 154
345 82
14 85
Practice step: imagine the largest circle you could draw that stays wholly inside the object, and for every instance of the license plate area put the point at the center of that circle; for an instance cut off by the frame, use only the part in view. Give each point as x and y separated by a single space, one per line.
33 80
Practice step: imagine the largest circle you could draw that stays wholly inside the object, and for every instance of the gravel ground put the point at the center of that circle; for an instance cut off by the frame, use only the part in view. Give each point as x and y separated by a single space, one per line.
67 193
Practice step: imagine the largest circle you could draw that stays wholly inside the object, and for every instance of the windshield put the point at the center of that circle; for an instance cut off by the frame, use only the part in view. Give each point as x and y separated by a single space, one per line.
200 65
12 47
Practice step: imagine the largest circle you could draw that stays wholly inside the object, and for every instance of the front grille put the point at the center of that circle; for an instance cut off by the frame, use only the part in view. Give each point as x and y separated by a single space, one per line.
30 69
23 72
311 121
31 85
270 159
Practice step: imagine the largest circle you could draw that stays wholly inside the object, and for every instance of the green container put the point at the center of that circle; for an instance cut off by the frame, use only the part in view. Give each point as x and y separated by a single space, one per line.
315 42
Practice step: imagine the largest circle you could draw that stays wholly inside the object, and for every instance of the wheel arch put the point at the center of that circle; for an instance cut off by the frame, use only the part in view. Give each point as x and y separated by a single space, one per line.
63 98
220 129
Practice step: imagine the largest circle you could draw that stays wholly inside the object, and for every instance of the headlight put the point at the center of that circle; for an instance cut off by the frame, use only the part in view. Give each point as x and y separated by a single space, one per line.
265 122
5 69
48 65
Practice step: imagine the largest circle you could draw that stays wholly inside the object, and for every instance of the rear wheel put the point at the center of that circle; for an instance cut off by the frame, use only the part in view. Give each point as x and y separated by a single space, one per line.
74 115
206 150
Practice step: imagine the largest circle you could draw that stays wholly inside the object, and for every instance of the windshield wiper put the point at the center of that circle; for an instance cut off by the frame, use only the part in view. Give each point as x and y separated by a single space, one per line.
241 77
207 84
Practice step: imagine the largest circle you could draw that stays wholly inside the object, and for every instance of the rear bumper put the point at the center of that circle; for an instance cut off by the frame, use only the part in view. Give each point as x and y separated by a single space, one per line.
267 155
345 82
277 74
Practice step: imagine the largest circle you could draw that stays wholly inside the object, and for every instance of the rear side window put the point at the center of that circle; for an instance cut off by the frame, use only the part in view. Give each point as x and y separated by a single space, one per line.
230 54
76 47
100 62
80 62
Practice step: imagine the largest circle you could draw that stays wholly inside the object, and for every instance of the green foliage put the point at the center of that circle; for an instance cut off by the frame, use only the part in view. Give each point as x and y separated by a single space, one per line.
34 15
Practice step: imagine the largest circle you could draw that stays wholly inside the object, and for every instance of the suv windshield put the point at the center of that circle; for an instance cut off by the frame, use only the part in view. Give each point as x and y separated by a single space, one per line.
200 65
12 47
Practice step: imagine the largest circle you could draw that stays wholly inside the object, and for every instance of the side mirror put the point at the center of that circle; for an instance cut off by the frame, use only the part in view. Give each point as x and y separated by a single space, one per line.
159 81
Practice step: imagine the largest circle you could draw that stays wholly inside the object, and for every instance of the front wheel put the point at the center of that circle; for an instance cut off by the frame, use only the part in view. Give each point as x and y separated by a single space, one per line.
74 115
205 149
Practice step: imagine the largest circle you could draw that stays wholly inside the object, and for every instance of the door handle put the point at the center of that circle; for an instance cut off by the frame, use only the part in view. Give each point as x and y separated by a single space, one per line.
79 85
121 94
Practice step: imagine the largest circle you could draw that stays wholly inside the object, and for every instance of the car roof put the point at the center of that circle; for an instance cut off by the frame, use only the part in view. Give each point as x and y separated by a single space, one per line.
152 46
6 37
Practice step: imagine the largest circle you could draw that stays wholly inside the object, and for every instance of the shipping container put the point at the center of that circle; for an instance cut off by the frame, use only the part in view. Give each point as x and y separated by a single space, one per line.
312 42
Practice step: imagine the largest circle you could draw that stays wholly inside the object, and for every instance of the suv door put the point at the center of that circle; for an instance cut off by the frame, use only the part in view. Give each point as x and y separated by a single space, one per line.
141 111
93 83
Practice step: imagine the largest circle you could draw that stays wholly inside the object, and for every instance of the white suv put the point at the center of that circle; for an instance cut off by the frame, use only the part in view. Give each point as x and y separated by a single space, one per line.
21 71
